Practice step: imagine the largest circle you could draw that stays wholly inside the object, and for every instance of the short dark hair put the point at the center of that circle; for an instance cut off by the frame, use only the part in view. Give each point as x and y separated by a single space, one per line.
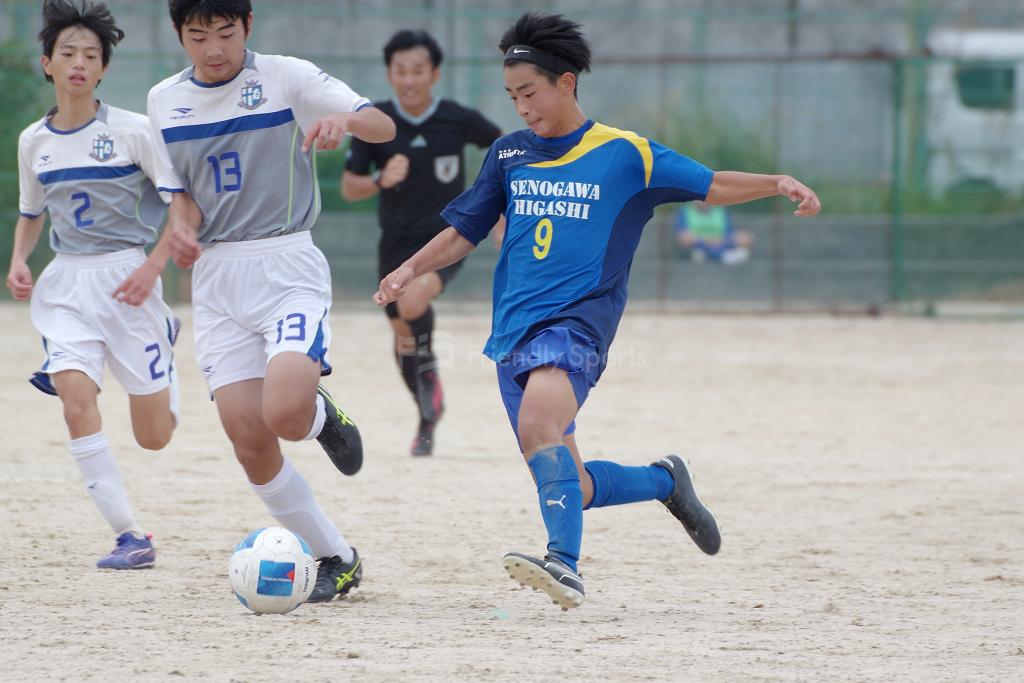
184 11
407 40
61 14
550 33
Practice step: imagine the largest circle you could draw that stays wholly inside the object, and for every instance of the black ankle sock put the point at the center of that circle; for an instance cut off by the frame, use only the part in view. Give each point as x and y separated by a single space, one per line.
407 366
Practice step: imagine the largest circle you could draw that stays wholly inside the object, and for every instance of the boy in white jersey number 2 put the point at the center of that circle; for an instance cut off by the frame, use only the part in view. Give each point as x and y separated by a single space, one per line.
240 130
94 169
576 195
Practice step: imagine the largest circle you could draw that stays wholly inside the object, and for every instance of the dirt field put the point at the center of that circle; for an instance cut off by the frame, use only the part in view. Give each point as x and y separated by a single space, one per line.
867 474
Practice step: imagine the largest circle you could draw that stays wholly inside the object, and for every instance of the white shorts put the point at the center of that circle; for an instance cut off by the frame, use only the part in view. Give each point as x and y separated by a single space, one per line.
253 300
83 327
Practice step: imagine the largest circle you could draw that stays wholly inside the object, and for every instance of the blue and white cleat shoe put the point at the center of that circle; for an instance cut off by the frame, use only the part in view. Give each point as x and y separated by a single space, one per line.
685 506
130 553
562 585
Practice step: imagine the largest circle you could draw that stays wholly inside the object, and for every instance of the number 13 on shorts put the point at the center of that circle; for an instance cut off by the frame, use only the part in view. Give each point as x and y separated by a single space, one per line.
302 331
292 327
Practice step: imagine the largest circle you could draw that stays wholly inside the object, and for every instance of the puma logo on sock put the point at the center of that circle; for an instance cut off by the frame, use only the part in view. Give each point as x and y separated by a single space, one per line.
560 502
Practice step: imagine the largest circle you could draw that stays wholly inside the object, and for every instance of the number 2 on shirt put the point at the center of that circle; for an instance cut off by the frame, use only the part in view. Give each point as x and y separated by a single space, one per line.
542 235
81 221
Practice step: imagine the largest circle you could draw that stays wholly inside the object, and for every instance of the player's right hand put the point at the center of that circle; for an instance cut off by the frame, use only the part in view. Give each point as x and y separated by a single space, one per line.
392 287
184 246
395 171
19 281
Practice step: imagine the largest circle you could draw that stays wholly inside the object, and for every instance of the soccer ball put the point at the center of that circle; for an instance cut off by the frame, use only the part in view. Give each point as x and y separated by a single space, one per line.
272 571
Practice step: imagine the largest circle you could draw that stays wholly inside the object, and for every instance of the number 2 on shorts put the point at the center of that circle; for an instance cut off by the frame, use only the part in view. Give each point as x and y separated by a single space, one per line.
153 372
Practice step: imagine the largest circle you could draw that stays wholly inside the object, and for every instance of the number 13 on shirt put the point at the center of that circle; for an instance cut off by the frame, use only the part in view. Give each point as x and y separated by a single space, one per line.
542 235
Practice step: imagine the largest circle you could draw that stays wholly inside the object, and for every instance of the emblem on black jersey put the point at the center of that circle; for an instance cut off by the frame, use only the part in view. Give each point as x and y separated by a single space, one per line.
102 148
446 168
252 95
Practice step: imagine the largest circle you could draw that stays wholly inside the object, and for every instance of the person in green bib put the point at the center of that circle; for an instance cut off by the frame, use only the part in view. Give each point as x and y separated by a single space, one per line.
706 233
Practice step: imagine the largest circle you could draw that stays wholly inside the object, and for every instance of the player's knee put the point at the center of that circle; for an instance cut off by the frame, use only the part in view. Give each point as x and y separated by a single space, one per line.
154 439
80 414
153 430
288 420
537 428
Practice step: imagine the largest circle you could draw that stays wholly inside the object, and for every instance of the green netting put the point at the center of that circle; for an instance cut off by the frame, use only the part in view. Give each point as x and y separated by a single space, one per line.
918 155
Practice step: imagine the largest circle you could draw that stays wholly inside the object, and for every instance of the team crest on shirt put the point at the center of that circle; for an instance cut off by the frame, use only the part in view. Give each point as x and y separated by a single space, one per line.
252 95
446 168
102 148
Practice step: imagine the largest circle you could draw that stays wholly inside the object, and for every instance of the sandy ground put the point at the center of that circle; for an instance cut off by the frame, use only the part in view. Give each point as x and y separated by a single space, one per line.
867 474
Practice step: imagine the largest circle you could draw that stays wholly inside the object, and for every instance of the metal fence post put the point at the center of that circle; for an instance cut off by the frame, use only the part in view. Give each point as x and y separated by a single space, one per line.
896 265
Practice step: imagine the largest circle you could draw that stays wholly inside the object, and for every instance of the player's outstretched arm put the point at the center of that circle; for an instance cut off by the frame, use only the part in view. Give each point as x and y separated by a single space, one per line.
26 235
369 124
736 187
445 249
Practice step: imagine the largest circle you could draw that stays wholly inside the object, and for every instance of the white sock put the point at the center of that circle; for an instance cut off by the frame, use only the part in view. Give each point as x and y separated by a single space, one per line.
174 396
103 482
291 502
318 419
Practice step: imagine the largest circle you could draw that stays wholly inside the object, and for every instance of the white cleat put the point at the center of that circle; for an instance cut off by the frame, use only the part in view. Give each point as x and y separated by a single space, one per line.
561 584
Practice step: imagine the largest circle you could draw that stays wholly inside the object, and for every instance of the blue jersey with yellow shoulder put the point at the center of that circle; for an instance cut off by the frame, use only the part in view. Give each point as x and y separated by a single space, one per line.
575 208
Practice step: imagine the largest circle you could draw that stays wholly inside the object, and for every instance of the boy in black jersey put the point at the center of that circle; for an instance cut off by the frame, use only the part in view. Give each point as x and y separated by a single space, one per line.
417 174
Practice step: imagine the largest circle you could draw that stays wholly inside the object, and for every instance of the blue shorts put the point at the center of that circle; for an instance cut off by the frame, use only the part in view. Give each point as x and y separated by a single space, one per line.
558 347
716 252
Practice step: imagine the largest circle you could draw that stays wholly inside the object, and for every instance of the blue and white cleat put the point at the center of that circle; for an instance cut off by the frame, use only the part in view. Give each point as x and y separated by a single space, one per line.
685 506
562 585
130 553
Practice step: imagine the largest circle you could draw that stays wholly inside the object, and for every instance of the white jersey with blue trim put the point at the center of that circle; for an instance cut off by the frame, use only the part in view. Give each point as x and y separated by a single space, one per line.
236 146
98 182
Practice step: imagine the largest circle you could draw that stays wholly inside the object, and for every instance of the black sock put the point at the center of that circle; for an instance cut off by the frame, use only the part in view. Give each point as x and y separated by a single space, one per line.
407 366
423 331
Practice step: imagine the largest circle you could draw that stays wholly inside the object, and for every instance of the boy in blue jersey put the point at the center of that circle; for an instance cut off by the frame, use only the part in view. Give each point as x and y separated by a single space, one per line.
240 128
576 195
94 169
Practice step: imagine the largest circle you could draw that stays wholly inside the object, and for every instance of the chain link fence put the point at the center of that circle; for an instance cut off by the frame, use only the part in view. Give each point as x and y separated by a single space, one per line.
907 117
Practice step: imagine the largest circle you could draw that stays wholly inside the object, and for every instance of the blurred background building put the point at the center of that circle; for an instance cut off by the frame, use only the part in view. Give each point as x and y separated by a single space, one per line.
906 115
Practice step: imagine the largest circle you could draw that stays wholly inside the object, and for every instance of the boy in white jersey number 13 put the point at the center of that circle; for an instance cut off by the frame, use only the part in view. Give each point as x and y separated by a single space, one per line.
576 195
93 168
240 130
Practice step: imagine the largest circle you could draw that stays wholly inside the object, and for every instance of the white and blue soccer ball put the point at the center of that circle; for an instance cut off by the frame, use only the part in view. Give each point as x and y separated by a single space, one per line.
272 571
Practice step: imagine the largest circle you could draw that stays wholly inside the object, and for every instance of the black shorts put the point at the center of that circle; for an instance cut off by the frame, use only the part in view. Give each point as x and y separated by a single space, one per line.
393 253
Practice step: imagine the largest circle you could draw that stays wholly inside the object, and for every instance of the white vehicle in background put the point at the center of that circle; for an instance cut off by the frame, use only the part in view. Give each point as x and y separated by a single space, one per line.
975 123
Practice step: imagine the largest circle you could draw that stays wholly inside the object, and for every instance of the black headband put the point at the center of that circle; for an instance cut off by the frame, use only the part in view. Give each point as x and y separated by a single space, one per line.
545 60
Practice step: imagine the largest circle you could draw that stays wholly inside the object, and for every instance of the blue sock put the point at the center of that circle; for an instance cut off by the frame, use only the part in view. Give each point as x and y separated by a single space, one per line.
561 502
616 484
